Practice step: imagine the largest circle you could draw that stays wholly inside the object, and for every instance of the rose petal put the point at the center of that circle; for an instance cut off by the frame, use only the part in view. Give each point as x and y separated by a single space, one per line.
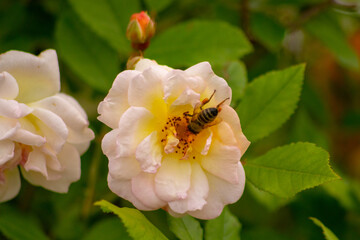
222 161
172 180
224 133
221 193
188 96
32 72
143 187
52 127
177 82
124 167
28 138
36 162
149 154
6 151
8 86
122 188
203 141
10 185
223 91
146 91
70 162
116 102
144 64
135 124
197 193
71 114
13 109
202 70
229 116
8 127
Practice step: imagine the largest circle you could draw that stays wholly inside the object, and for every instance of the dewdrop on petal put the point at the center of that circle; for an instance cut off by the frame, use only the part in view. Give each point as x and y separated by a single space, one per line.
155 161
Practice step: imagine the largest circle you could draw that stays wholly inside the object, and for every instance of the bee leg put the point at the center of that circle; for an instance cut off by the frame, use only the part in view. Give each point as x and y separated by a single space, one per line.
206 100
187 114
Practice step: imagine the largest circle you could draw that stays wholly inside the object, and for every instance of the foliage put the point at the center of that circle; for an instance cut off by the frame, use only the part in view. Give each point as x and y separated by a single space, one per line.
299 119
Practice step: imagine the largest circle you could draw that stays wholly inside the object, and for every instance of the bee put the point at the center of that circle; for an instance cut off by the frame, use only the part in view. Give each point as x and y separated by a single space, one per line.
203 118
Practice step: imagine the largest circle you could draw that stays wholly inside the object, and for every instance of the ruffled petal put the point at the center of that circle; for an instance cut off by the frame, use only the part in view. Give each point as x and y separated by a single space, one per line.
119 167
224 133
172 180
8 86
28 138
202 70
143 187
52 128
135 124
223 91
229 116
124 167
149 154
179 83
37 76
197 193
59 180
8 127
6 151
9 184
123 189
222 161
221 193
13 109
36 162
116 102
144 64
71 114
146 91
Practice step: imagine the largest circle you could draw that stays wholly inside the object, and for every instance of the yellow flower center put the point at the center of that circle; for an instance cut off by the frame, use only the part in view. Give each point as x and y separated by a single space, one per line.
176 137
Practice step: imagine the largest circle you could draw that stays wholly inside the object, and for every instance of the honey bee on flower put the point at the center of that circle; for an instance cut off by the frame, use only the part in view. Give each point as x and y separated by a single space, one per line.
176 143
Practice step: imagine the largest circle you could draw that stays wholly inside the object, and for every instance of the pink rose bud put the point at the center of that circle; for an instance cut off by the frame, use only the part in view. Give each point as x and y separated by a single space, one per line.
140 30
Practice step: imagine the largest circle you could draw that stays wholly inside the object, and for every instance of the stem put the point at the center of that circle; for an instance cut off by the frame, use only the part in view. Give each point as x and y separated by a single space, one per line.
245 18
93 175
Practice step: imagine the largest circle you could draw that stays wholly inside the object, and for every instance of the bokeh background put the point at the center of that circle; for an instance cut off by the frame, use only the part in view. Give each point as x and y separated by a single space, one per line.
92 50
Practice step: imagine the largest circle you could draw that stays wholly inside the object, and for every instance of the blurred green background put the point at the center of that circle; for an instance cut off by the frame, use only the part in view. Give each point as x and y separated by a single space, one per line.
89 37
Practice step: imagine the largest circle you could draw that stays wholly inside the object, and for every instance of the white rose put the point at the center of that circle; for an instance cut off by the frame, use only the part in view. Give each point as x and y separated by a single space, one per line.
42 131
155 161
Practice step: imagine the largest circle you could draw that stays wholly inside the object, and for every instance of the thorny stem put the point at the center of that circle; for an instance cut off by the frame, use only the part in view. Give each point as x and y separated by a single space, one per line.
93 175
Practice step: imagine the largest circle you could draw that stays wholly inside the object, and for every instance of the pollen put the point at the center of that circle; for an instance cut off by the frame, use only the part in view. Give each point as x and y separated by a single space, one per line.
176 137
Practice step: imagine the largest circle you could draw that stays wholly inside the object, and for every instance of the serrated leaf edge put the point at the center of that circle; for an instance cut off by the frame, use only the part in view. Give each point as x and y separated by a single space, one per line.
297 97
336 176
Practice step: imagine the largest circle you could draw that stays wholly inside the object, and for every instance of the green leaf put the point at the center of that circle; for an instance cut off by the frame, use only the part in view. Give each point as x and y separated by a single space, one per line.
158 5
16 226
108 229
269 101
195 41
224 227
325 28
329 235
267 31
135 222
85 53
108 19
186 228
236 76
286 170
